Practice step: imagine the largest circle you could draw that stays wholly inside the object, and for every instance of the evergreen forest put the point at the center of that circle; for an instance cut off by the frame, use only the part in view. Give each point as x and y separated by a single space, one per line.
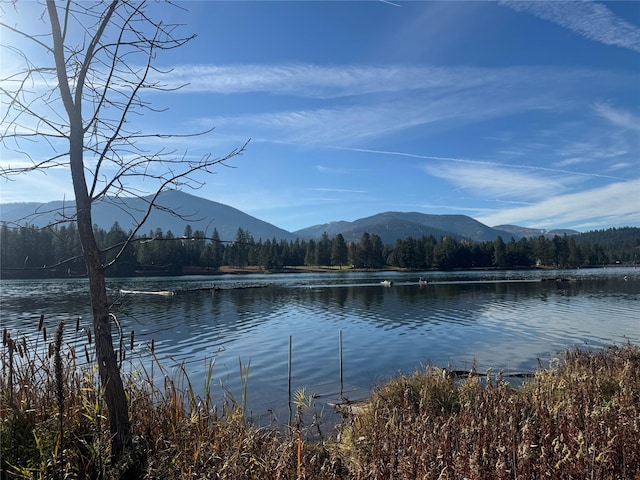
32 252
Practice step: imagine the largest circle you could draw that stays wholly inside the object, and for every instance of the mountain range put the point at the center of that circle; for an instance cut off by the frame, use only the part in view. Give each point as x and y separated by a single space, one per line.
205 215
393 225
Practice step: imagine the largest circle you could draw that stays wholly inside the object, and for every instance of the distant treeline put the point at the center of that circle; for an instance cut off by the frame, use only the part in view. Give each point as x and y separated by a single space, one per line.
30 252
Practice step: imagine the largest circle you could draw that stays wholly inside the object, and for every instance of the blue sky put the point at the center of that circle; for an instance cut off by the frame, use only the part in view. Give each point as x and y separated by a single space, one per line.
525 113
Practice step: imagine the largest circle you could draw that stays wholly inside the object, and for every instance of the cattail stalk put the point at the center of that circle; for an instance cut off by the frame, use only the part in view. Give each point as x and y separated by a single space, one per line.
59 374
11 347
340 355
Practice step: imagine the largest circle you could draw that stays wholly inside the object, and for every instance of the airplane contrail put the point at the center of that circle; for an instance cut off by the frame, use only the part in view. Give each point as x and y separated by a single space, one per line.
476 162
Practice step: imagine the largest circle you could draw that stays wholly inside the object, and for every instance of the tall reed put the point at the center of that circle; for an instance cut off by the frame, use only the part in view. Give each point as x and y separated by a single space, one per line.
58 370
578 418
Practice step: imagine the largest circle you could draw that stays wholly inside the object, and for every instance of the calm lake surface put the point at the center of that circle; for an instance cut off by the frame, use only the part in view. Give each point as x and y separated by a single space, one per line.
506 320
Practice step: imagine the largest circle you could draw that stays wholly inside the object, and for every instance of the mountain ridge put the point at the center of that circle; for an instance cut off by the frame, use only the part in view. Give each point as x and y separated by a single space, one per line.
205 215
201 214
535 232
408 224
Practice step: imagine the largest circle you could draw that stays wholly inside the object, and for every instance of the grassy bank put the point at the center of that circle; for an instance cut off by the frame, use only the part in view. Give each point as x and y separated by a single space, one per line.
579 418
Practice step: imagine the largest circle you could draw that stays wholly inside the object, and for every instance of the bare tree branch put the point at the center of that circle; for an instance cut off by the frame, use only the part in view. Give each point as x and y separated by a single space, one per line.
205 164
82 108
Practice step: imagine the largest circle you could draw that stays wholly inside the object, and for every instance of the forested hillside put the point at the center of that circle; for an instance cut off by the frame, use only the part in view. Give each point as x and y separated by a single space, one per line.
29 252
174 210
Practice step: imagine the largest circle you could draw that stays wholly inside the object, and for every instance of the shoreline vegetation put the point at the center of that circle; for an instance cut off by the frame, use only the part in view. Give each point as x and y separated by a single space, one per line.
29 252
331 269
255 269
578 417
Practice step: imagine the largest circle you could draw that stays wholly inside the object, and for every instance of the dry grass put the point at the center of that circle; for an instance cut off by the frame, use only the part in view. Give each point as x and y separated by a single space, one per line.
578 419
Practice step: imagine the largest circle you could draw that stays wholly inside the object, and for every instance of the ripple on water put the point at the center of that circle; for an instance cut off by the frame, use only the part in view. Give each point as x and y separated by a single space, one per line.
501 324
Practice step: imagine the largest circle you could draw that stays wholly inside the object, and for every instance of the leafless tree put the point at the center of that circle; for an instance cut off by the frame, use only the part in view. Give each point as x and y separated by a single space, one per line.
78 90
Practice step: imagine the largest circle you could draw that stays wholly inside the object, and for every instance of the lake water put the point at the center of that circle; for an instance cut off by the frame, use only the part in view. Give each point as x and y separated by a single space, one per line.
502 320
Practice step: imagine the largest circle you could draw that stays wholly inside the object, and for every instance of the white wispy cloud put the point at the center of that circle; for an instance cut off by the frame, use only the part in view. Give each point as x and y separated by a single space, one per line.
620 166
318 80
332 170
500 182
591 20
351 124
337 190
597 147
390 3
613 204
567 162
386 100
480 163
329 81
618 117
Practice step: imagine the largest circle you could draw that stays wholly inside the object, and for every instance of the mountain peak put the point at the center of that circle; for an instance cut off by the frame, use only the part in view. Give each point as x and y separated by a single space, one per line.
391 226
177 209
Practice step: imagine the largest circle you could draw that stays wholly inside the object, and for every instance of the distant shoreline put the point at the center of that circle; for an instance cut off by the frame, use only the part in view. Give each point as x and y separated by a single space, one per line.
227 270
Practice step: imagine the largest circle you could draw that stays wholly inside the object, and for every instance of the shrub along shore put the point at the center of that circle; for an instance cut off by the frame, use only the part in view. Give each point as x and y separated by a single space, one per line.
577 418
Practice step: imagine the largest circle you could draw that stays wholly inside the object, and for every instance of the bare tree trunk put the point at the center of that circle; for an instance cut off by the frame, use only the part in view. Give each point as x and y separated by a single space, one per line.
113 388
94 72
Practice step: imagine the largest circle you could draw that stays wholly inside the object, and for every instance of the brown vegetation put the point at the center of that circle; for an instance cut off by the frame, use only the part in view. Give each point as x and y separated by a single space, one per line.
580 418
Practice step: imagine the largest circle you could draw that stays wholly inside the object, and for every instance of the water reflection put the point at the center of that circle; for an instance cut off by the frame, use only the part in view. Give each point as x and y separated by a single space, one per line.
506 320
